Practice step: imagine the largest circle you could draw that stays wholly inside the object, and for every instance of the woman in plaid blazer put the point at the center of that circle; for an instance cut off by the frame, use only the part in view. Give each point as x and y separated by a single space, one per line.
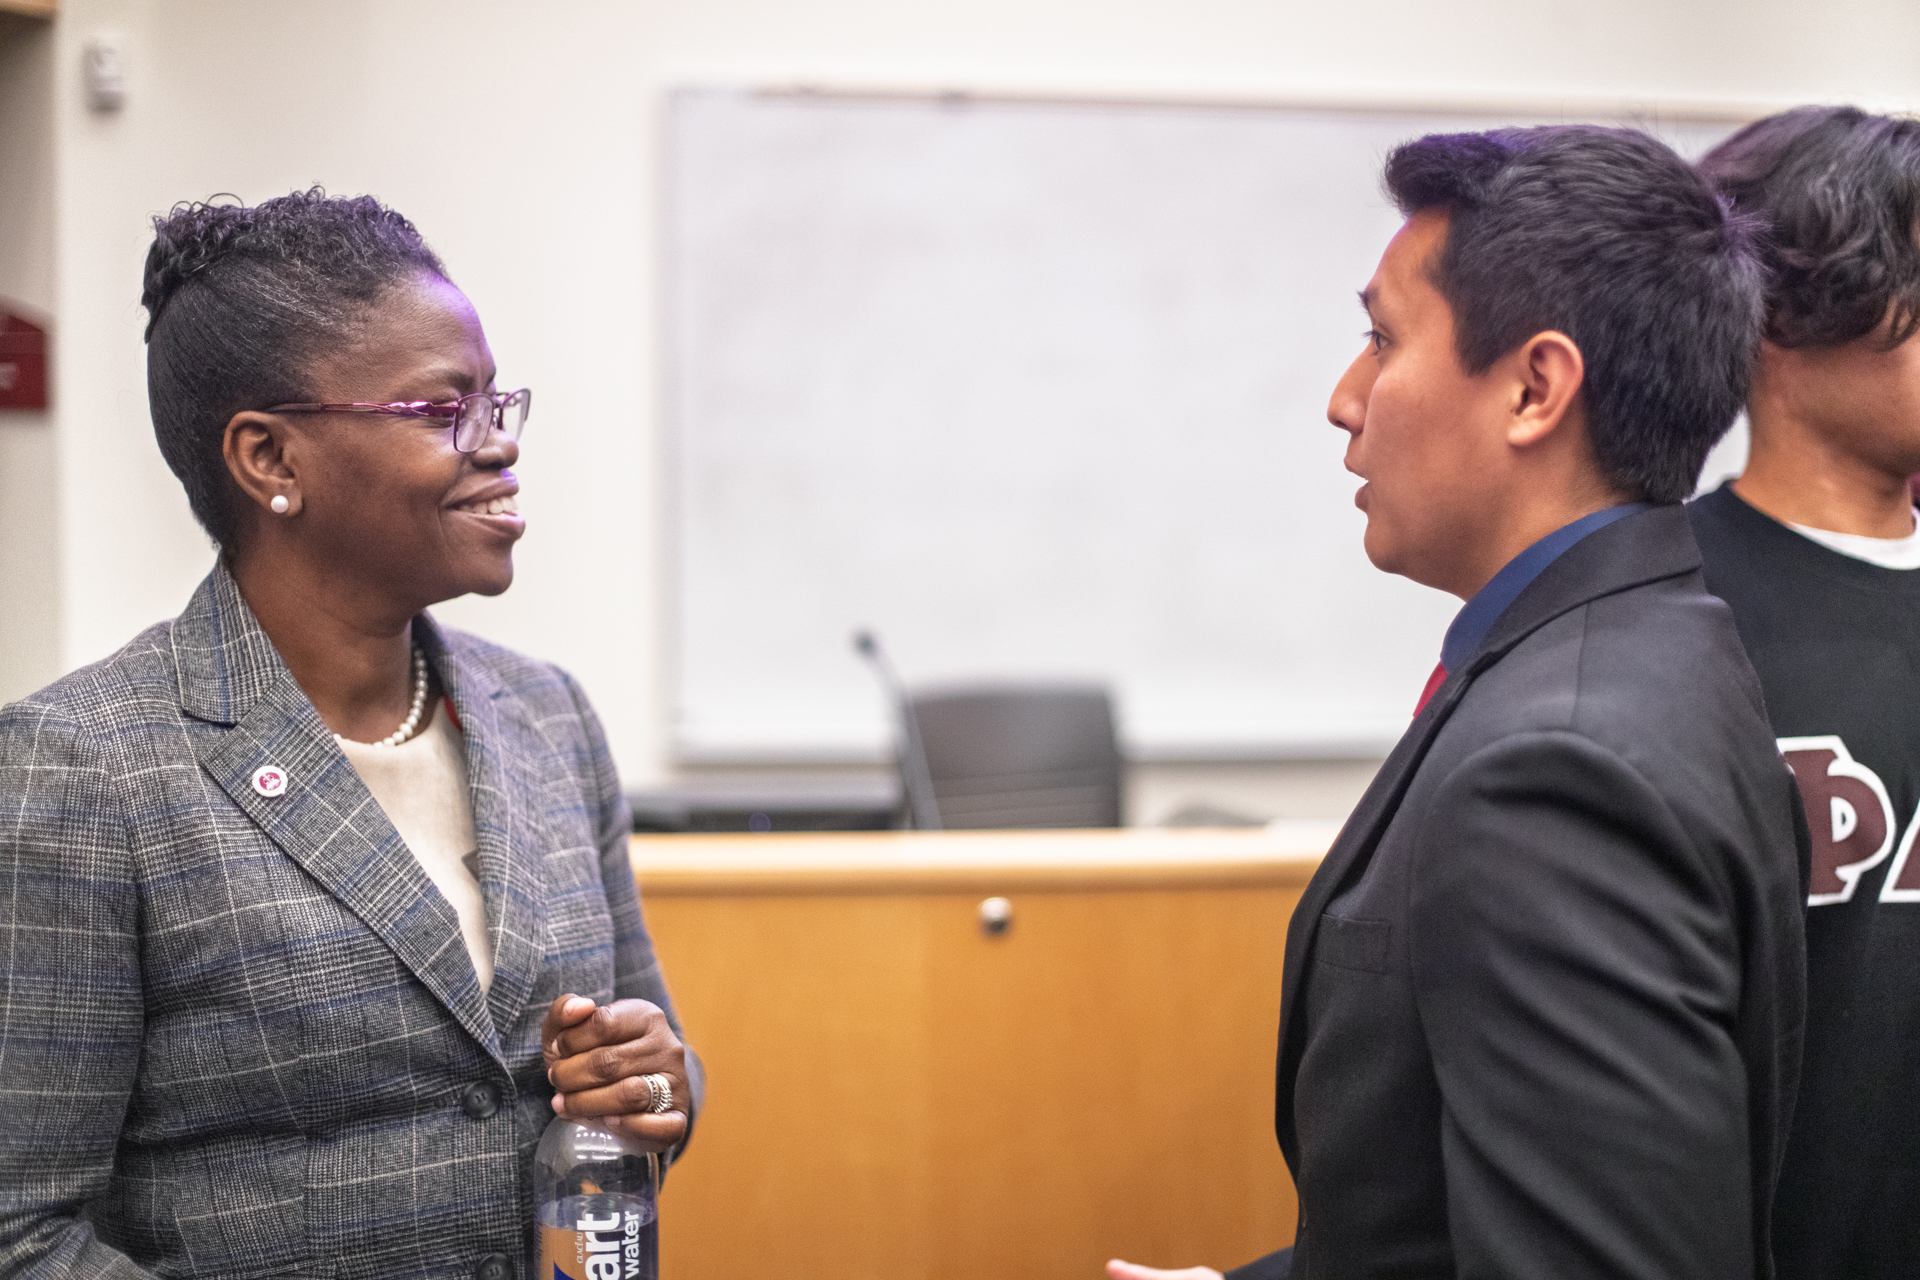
240 1033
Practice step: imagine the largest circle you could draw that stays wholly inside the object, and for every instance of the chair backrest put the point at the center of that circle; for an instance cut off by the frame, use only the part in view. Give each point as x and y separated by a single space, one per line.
1021 755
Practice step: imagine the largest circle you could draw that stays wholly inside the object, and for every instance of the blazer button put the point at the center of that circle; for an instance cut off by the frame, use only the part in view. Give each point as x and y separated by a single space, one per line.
480 1100
493 1267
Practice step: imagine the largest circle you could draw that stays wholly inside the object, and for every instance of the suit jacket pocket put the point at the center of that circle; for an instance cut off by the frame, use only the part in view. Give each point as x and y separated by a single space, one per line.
1353 944
240 1208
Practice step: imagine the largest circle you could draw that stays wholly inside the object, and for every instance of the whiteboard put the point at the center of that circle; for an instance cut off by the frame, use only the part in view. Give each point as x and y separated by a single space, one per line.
1035 390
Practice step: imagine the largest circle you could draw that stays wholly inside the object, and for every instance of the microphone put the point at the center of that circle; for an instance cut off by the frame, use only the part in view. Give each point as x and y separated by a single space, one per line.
916 779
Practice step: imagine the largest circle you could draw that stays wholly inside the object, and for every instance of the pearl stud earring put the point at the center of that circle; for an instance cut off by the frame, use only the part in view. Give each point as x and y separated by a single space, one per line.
280 504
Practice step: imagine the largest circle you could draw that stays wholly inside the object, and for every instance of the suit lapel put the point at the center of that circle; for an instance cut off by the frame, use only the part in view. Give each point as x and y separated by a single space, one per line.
1639 549
1346 860
324 818
1361 832
506 784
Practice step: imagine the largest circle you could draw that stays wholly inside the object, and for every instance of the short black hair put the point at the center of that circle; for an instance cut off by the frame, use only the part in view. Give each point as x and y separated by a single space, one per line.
1840 192
241 301
1610 238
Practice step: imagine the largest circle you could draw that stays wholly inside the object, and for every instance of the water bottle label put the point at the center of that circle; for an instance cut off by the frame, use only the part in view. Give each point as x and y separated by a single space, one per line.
600 1241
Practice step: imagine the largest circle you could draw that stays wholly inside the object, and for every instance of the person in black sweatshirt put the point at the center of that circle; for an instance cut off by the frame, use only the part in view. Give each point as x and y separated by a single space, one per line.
1816 550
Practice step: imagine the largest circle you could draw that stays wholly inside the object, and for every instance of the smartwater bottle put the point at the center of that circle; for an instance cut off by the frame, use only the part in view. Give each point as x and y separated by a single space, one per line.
595 1196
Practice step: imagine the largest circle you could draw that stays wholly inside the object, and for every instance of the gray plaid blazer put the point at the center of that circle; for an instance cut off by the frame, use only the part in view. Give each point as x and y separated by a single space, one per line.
240 1034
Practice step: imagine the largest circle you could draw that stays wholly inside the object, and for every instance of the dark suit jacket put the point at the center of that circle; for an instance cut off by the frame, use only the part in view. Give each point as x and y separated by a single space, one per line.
1543 999
241 1034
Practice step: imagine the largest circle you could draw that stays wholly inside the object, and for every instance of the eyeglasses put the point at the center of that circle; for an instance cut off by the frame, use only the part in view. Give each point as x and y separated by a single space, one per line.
474 417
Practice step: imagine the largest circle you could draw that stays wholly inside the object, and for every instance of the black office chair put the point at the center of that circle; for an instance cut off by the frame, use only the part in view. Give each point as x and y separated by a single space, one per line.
1021 755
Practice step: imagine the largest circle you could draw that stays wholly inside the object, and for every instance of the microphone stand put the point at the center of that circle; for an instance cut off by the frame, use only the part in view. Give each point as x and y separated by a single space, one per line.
916 779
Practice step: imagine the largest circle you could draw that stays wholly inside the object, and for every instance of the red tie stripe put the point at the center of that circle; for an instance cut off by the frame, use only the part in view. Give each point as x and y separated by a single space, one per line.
1434 681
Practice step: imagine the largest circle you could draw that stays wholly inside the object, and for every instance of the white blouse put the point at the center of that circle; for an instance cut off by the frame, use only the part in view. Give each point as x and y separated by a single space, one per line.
422 786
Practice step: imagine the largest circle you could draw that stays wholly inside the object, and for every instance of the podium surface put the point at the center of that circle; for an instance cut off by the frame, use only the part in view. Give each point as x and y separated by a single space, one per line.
902 1084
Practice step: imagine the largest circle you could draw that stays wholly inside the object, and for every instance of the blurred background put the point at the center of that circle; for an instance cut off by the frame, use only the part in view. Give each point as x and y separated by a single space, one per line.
1002 328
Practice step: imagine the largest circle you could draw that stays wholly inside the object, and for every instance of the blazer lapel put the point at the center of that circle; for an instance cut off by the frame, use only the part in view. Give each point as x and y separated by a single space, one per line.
1347 859
1361 833
504 781
320 814
1639 549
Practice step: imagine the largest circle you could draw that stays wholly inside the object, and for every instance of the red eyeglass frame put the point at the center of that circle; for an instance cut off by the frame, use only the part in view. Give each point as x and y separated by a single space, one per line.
448 409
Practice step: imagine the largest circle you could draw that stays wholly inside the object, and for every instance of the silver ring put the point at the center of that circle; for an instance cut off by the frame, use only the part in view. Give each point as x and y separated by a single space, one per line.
661 1090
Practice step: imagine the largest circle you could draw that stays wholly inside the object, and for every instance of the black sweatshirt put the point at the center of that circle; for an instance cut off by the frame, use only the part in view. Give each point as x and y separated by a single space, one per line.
1836 641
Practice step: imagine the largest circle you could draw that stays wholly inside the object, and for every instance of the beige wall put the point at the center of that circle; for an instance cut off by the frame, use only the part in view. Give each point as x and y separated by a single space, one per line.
29 531
522 138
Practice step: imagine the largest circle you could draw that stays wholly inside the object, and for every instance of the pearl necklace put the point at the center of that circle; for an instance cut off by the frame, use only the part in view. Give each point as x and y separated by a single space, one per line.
411 725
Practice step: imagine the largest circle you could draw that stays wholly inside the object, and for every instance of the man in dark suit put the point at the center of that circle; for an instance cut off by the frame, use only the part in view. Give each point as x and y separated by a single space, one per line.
1543 998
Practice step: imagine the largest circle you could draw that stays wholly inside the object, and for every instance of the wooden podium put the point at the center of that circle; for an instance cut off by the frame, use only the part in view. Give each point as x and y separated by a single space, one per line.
898 1092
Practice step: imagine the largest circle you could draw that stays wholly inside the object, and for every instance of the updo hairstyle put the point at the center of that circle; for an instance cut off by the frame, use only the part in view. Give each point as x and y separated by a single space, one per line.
242 302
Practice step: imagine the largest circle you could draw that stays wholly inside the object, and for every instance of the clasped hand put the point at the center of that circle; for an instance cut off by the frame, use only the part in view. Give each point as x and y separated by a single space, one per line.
596 1057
